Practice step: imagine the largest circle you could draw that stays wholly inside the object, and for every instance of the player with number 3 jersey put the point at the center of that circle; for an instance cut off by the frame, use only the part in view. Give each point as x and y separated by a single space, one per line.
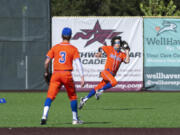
64 54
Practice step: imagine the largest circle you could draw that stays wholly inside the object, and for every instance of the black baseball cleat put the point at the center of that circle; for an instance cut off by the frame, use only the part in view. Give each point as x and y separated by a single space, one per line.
98 93
81 104
43 122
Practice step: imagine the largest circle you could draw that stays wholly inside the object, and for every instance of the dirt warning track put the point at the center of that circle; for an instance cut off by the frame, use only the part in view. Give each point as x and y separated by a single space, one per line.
89 131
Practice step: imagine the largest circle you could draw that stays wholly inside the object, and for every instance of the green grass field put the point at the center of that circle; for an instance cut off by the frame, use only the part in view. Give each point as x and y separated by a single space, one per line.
124 109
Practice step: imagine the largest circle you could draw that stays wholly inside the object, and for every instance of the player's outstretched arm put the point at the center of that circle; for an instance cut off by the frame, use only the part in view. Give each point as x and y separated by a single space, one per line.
127 59
81 72
126 48
99 53
82 81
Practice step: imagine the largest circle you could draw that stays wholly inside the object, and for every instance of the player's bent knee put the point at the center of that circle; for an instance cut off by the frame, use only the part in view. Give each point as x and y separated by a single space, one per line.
114 83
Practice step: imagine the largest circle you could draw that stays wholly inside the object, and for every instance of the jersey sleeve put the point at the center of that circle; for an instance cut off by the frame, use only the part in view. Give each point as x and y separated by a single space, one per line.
123 56
76 54
50 53
79 66
106 49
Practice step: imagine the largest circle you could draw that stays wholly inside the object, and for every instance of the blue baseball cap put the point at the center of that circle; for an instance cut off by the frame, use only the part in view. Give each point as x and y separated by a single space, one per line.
66 31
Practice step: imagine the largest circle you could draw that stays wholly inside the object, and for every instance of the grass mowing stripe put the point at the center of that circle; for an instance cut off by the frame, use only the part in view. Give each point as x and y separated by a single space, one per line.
123 109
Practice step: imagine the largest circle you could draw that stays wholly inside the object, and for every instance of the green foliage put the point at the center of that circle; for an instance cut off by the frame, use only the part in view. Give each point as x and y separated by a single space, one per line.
66 7
95 7
115 8
159 8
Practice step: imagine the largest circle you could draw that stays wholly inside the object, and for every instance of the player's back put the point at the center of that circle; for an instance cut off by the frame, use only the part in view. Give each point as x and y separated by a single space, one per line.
64 54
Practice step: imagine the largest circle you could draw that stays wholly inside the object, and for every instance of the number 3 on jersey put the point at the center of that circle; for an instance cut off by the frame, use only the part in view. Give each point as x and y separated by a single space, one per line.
62 58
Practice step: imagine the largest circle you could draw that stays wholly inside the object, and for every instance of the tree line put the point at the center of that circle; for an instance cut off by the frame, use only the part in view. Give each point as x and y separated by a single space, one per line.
115 8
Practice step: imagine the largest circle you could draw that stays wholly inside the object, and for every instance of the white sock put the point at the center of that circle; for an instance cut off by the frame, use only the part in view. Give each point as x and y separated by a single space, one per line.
45 112
101 90
85 99
74 114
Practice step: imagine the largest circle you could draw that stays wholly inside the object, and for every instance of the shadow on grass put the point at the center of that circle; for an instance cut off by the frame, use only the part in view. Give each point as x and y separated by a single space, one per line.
97 122
89 123
120 109
124 109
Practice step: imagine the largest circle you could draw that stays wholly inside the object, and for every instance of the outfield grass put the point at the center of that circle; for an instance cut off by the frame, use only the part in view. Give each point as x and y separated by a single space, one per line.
124 109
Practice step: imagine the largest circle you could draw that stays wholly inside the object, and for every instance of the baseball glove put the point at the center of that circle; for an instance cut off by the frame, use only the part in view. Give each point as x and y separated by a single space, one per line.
125 45
47 77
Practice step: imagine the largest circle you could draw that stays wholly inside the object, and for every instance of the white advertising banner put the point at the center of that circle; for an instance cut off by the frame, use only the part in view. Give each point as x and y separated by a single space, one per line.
89 33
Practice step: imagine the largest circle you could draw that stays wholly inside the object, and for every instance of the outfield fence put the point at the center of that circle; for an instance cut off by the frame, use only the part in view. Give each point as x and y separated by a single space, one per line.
24 41
27 31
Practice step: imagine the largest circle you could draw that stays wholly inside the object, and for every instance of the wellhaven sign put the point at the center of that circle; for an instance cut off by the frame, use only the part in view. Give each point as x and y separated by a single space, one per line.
161 53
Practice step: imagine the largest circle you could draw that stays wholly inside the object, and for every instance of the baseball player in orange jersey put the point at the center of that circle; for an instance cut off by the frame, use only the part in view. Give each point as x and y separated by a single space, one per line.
115 57
64 54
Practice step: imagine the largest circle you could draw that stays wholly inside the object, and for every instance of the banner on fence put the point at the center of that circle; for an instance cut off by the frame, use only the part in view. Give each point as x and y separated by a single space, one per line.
89 33
162 53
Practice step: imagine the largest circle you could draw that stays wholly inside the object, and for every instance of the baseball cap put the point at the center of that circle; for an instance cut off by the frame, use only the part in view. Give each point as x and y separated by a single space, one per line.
66 31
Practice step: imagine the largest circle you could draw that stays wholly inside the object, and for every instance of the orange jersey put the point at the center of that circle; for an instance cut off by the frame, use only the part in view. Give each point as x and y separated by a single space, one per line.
63 54
114 59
